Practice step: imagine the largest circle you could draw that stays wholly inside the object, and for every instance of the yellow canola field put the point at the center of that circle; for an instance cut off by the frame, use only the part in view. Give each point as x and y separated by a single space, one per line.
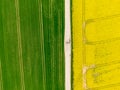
96 44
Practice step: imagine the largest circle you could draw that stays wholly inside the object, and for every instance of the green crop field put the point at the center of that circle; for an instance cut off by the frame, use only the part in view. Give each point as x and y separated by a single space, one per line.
32 45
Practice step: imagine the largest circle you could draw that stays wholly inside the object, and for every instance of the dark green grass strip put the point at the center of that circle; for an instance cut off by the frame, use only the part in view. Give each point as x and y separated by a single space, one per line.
72 73
32 45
